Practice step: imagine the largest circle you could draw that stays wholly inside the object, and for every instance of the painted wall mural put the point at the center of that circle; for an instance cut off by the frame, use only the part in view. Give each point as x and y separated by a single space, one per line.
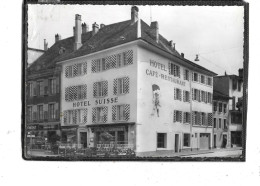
156 99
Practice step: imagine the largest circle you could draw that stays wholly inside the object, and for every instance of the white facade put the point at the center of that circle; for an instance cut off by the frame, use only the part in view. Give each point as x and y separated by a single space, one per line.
144 122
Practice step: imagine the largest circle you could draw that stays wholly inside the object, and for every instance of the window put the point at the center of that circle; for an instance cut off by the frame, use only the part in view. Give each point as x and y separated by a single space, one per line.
186 96
40 112
202 79
100 114
29 114
215 106
40 88
73 117
81 115
215 122
51 111
186 117
209 97
52 86
30 85
186 140
233 103
203 96
100 89
225 108
196 95
76 70
195 77
219 123
161 140
76 92
209 81
121 112
82 92
203 118
234 84
239 85
121 86
174 69
177 116
220 107
186 75
236 117
225 124
196 118
119 61
177 94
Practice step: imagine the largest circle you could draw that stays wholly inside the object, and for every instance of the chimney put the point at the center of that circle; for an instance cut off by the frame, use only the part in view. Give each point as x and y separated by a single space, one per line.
155 30
172 45
182 55
102 25
134 14
57 37
74 31
84 28
77 33
240 72
45 45
197 58
95 28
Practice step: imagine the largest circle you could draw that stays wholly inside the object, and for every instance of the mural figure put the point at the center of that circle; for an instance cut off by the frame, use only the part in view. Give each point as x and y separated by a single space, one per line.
156 99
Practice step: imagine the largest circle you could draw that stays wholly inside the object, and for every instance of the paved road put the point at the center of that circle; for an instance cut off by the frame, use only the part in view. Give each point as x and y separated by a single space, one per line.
222 153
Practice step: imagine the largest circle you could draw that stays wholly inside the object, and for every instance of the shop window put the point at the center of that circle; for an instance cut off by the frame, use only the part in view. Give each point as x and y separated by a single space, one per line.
177 94
215 123
161 140
121 86
121 137
186 140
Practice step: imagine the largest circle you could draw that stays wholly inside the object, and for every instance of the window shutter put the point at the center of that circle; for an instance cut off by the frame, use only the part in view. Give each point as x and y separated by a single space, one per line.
180 98
94 114
34 111
127 111
105 114
94 66
126 84
57 85
45 111
192 76
34 88
115 86
56 110
180 114
95 89
105 88
199 94
45 86
193 118
179 71
114 118
175 94
169 67
189 117
174 116
184 96
193 94
184 117
199 117
184 74
206 97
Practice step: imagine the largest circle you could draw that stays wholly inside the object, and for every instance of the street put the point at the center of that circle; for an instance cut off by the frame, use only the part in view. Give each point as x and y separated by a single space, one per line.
220 153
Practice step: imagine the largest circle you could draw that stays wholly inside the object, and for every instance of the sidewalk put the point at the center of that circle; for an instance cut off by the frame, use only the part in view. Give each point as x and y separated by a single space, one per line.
171 153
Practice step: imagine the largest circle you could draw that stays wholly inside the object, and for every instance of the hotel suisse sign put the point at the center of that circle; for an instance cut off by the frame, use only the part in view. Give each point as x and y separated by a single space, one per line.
103 101
161 75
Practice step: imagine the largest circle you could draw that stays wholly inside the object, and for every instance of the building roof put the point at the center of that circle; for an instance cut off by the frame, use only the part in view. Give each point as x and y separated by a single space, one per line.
107 37
36 49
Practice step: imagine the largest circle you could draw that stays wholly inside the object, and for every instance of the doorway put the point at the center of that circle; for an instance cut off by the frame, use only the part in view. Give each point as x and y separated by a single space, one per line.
215 141
84 139
176 146
224 141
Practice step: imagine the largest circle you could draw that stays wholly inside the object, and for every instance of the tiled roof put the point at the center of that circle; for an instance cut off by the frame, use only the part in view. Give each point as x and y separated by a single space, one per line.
107 37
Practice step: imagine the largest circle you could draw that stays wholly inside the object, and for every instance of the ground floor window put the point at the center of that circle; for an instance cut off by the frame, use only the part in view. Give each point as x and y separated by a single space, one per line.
161 140
186 140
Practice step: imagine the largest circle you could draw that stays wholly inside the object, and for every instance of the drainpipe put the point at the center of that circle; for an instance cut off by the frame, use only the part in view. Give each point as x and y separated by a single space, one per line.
191 114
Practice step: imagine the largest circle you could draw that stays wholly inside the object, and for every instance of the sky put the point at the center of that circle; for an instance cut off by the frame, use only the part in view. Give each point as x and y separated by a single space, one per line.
214 33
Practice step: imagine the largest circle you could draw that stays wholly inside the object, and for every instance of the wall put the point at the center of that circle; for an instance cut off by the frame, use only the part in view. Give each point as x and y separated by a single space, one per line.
148 123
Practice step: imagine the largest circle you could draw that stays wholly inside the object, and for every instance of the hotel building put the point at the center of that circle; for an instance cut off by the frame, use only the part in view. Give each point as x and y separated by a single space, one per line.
129 83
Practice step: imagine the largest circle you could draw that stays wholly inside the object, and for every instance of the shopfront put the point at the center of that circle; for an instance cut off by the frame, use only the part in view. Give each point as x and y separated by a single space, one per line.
112 136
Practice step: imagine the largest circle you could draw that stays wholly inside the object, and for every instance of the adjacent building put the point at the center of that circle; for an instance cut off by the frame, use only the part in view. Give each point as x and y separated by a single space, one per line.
221 135
232 86
128 86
